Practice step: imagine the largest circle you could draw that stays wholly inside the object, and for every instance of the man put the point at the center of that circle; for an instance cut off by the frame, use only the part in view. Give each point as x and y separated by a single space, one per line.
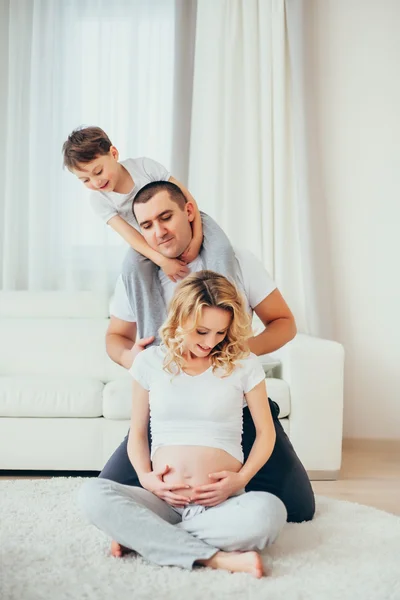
164 215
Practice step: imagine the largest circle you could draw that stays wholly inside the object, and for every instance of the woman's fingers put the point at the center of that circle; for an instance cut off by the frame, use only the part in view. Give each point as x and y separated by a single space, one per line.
203 496
175 499
210 502
163 471
209 487
175 486
169 492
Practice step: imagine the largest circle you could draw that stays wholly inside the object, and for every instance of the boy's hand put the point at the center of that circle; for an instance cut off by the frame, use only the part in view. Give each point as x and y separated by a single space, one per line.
191 252
174 268
153 482
225 484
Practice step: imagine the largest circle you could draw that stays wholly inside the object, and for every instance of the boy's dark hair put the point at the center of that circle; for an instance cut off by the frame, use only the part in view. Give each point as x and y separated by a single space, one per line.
151 189
83 145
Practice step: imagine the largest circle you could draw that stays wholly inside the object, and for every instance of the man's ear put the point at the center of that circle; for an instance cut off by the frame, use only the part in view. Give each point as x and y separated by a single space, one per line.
114 152
190 211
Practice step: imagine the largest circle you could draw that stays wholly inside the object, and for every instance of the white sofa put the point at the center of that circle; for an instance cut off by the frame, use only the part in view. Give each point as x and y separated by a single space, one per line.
65 406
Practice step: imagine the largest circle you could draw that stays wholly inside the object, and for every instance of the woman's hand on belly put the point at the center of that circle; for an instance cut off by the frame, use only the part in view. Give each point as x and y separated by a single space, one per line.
153 482
223 485
193 465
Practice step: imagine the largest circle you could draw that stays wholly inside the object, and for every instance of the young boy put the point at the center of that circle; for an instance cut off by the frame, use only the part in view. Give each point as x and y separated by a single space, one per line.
90 155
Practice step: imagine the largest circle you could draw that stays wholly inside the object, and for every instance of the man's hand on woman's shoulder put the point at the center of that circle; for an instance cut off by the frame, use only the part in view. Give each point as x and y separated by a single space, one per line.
129 355
120 342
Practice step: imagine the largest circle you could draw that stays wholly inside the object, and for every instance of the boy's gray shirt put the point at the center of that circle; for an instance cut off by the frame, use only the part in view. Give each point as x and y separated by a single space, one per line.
143 170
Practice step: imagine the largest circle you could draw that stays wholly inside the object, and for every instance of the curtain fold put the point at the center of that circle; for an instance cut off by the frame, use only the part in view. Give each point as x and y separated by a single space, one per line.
249 152
314 247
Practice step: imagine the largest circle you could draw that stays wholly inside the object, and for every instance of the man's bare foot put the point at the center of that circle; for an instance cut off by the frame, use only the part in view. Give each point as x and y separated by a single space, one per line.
118 550
236 562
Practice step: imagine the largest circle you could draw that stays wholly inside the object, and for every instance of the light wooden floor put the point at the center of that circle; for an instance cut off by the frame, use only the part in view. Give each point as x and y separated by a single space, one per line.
370 475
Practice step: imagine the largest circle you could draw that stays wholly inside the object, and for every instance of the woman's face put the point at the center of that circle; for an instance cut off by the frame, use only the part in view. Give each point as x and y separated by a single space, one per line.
210 331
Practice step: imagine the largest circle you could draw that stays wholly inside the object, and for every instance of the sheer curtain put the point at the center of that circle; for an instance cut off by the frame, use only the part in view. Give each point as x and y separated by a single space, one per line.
67 63
250 153
242 129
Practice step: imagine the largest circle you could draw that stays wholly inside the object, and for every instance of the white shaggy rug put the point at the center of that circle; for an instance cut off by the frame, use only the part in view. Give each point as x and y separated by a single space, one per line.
47 551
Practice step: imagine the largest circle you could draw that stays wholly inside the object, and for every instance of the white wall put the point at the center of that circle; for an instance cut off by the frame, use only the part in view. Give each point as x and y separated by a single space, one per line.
356 50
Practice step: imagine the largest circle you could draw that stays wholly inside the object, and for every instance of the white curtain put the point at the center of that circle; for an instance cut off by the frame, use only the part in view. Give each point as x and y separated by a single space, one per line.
127 66
65 63
249 154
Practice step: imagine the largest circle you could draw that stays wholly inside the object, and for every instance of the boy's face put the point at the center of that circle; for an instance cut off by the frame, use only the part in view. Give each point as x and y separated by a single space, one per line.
102 173
164 225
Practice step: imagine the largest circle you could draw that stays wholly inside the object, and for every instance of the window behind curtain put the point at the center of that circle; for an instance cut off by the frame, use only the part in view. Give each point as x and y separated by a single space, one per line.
73 63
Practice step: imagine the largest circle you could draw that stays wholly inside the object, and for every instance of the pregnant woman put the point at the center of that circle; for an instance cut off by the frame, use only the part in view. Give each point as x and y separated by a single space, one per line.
192 508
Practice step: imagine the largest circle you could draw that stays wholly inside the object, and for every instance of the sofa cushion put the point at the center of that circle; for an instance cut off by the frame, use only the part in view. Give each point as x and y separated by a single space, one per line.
39 396
279 391
53 305
117 397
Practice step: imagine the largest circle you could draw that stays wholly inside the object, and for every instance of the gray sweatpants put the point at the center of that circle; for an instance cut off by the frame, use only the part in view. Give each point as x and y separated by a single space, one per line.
139 520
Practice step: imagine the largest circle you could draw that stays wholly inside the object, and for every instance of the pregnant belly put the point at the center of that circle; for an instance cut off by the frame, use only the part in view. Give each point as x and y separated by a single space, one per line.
191 465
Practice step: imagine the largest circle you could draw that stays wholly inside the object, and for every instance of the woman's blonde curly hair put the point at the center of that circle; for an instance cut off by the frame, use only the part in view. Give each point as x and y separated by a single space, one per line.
197 291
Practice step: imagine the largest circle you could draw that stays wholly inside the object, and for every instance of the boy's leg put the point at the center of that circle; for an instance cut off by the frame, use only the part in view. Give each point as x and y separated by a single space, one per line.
138 520
283 474
217 253
144 289
249 521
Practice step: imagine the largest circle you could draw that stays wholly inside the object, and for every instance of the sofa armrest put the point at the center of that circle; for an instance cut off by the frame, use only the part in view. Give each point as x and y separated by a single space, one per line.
314 368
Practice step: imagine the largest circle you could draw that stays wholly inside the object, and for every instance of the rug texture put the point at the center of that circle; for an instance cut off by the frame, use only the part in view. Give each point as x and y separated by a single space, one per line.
48 551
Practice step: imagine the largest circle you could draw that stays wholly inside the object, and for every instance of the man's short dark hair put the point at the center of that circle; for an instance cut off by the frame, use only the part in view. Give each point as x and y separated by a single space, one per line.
151 189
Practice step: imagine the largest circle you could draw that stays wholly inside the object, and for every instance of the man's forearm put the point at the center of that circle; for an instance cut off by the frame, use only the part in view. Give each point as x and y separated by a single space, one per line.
277 334
119 349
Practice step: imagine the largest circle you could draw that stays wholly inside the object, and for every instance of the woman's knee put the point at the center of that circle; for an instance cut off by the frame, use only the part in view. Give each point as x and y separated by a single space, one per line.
265 517
91 496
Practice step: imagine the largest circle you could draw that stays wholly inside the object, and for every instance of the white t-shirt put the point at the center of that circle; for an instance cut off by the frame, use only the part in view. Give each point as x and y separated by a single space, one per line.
109 204
255 281
199 410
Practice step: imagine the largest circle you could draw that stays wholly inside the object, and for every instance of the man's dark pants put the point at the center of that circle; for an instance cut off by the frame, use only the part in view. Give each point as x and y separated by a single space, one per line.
283 474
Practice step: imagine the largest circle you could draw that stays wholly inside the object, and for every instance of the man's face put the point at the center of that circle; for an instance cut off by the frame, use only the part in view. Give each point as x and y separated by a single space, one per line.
102 173
164 225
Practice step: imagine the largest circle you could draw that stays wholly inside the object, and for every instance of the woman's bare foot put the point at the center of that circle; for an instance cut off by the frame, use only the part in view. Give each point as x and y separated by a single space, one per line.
118 550
236 562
